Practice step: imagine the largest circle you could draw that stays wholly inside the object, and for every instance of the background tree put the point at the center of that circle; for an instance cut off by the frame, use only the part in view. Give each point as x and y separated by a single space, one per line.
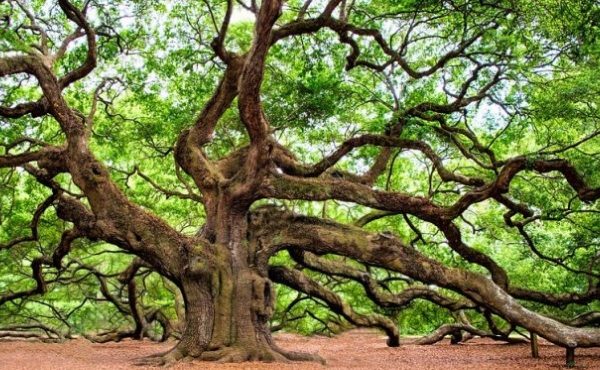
364 155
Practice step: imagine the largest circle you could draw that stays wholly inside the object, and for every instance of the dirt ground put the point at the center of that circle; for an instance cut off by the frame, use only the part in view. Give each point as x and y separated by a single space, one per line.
353 350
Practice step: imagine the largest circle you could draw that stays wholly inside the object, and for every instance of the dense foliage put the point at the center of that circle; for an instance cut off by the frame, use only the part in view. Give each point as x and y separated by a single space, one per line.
484 82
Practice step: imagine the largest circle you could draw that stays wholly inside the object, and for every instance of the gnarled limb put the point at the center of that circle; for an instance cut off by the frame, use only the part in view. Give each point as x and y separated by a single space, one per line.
450 329
373 287
329 237
299 281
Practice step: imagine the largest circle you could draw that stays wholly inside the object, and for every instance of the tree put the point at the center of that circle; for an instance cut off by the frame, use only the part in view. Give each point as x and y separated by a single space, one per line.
418 78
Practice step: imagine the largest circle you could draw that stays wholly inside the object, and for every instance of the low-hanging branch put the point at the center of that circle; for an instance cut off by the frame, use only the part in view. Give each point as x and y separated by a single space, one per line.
299 281
373 288
223 272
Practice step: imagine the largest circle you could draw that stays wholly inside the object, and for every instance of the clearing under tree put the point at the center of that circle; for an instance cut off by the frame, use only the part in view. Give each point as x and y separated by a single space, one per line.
431 67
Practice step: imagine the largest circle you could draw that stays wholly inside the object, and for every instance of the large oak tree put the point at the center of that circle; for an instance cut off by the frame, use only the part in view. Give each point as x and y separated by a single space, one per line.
427 114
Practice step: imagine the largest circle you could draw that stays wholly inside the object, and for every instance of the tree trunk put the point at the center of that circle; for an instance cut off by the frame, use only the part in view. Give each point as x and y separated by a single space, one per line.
199 317
229 302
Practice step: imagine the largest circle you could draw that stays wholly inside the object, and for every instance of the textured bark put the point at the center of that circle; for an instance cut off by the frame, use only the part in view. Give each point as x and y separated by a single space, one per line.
223 272
322 237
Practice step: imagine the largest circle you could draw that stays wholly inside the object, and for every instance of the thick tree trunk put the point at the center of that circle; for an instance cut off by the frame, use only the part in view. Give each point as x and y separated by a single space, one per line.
229 302
243 303
199 317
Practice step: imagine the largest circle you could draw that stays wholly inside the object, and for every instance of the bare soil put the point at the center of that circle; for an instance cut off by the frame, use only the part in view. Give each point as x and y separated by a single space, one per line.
357 349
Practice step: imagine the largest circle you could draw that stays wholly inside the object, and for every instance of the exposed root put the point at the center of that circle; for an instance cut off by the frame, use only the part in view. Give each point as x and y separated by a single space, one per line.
239 354
262 354
302 356
164 359
234 354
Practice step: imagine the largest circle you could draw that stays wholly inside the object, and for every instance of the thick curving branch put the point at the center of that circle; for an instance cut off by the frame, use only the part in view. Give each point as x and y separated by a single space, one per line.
77 17
291 167
189 154
282 186
299 232
17 160
373 288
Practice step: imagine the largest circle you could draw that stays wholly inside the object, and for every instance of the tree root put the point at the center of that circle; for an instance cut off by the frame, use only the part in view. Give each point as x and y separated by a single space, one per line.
233 354
239 354
164 359
302 356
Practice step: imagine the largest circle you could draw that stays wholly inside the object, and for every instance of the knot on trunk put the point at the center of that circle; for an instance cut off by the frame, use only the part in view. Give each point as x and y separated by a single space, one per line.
200 266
